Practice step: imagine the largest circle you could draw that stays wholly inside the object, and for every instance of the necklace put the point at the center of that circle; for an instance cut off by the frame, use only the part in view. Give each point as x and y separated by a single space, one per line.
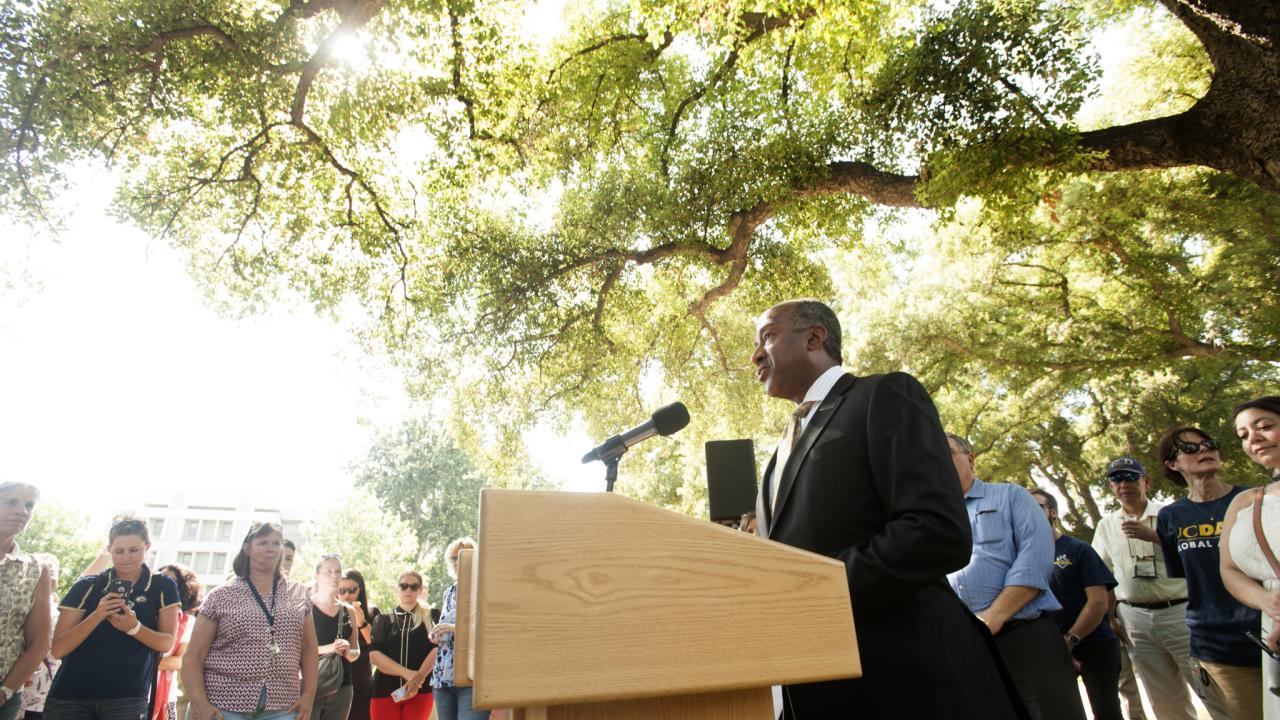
1216 509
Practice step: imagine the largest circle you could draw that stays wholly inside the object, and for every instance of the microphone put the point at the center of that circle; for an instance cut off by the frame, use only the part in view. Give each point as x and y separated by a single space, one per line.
666 420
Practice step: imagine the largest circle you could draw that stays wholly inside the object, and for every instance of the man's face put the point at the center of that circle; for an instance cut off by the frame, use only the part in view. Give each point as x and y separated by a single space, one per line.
1129 486
963 461
287 563
1049 513
781 356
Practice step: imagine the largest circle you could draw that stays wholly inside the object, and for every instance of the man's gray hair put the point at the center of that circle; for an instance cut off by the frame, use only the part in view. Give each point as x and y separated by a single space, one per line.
961 443
810 313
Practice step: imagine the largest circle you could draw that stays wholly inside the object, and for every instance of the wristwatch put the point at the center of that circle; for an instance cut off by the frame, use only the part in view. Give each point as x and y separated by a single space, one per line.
1073 639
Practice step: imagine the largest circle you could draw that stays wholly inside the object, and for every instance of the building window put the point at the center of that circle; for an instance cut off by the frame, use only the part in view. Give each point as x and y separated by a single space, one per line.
184 558
151 559
156 526
207 530
218 564
202 563
224 531
190 529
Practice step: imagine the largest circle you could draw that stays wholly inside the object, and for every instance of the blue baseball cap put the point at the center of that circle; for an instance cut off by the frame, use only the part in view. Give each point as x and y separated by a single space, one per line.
1125 465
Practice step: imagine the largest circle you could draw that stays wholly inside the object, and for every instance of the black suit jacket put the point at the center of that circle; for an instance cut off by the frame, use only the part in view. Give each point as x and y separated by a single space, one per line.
871 483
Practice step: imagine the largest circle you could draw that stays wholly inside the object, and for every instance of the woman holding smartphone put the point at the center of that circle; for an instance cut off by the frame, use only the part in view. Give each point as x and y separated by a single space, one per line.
402 654
253 652
110 629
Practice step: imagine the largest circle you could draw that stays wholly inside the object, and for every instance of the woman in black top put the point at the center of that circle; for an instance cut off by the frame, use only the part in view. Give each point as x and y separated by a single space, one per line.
336 634
403 655
351 590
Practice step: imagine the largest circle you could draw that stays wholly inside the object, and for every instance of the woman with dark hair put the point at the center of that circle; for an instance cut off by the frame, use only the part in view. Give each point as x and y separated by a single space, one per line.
24 599
1247 568
351 590
253 652
165 706
1222 656
110 629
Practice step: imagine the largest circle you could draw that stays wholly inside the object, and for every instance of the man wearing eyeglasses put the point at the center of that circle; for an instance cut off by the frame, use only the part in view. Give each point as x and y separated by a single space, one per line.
1151 606
1006 585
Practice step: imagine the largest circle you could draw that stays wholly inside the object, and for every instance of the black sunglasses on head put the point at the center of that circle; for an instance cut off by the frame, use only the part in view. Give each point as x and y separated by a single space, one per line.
1191 448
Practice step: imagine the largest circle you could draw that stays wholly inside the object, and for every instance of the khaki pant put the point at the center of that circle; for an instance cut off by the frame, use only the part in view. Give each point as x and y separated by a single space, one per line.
1129 688
1159 646
1238 688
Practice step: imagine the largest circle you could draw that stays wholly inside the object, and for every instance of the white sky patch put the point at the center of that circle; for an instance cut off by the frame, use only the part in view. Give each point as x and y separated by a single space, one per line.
350 48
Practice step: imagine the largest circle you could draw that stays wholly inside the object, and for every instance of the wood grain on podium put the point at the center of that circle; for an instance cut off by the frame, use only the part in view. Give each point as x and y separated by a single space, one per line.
589 597
755 704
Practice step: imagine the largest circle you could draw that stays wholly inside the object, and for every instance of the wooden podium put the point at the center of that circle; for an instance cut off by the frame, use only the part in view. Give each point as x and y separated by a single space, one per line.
594 606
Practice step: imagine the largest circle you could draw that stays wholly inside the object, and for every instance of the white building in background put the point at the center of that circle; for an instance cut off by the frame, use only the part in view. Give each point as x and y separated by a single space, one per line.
203 530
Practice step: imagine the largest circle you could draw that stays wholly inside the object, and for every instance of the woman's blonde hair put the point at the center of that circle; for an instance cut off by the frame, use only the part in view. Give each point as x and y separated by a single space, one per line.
450 554
421 611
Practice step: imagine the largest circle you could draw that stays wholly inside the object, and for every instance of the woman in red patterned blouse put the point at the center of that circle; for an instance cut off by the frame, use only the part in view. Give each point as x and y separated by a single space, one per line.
252 640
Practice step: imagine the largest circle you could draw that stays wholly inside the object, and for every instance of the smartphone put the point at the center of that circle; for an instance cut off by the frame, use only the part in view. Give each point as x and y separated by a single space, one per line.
121 588
1262 644
400 694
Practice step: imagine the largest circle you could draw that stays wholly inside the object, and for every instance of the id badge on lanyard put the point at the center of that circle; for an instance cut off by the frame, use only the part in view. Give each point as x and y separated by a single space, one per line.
272 648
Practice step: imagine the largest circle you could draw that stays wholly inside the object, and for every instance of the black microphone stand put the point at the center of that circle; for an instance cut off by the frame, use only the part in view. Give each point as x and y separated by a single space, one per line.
611 472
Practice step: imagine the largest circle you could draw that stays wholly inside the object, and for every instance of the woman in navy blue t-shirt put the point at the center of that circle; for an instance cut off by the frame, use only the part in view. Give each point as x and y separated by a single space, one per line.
110 629
1189 528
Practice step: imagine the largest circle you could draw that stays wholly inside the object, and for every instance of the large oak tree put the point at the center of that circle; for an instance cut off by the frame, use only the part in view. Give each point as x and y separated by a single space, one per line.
556 227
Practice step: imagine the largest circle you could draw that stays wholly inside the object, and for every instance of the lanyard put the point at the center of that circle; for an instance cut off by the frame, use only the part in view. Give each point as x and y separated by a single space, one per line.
269 614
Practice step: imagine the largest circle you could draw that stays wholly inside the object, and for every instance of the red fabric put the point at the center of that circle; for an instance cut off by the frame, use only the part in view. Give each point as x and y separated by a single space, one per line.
165 680
417 707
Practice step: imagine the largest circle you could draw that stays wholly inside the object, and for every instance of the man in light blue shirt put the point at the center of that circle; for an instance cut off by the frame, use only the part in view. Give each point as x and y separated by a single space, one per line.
1006 584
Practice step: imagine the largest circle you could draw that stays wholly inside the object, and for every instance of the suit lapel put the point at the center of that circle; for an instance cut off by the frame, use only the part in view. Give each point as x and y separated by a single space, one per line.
764 518
812 431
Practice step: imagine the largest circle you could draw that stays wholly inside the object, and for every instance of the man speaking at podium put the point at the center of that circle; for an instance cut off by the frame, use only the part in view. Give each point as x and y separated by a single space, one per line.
863 474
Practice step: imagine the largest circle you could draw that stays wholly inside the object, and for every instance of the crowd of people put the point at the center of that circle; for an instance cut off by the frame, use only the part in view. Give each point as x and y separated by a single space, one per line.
1183 594
129 642
1172 593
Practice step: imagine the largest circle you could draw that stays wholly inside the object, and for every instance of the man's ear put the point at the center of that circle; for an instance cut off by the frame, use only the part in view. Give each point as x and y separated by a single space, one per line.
817 338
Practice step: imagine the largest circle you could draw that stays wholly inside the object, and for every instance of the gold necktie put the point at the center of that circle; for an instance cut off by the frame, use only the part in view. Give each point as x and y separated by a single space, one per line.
788 443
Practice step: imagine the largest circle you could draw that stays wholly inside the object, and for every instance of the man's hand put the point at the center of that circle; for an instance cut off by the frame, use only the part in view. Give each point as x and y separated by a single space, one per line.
1120 632
1071 646
993 621
1138 530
